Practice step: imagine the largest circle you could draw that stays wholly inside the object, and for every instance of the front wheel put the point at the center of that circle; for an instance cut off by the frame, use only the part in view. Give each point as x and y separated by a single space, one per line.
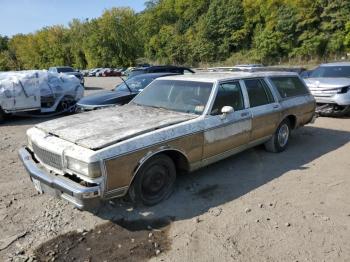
2 116
154 182
279 141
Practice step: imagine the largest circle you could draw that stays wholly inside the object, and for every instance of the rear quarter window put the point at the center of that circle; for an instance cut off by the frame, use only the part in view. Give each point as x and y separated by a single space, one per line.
289 86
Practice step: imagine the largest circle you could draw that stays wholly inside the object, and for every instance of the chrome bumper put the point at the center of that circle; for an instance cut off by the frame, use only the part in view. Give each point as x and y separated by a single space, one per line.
339 99
82 197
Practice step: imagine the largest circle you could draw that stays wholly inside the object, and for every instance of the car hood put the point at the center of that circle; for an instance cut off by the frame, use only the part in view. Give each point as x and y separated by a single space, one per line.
105 127
104 98
327 83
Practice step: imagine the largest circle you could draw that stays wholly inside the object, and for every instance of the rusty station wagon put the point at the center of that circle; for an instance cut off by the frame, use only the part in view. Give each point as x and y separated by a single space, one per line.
176 124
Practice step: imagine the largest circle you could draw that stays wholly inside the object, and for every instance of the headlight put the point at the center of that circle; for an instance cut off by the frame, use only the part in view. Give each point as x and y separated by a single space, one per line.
92 170
344 90
30 144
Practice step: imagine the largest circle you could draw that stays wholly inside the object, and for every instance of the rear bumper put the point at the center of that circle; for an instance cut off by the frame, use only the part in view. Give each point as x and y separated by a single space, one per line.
82 197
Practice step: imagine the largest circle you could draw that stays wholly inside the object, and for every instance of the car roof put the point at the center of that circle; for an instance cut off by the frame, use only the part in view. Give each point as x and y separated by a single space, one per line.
337 64
212 77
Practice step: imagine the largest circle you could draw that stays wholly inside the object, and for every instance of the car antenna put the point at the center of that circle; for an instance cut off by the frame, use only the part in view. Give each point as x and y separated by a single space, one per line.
126 84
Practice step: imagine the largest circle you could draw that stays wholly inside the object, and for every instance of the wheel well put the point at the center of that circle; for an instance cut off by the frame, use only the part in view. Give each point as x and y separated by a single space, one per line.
180 160
292 120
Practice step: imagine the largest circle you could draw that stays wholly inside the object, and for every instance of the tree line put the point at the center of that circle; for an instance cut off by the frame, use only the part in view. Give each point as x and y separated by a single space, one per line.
189 32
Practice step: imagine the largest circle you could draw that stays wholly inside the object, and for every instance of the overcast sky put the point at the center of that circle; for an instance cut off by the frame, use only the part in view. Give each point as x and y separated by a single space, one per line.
26 16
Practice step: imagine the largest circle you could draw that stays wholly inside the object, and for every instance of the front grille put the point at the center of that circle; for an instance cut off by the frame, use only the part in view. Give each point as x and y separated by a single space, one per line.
47 157
319 93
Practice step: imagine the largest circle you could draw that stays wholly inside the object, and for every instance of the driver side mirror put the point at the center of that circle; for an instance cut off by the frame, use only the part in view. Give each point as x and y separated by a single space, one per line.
226 110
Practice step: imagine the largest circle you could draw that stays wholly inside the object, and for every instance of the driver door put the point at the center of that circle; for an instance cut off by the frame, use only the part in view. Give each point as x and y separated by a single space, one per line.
226 133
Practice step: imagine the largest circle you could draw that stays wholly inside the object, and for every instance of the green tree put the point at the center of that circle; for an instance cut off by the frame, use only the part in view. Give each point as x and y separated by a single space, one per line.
347 36
3 43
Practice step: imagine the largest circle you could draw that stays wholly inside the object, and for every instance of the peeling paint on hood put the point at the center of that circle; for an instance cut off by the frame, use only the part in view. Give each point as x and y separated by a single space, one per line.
102 128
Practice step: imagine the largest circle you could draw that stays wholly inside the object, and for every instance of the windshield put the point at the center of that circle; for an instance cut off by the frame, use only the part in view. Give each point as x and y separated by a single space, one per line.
135 73
331 71
136 84
176 95
64 69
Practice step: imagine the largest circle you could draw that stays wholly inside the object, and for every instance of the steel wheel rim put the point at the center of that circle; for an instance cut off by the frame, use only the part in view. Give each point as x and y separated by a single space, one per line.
283 135
156 183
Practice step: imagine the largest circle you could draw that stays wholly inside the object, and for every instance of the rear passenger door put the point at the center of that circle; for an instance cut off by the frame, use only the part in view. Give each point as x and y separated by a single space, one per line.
264 108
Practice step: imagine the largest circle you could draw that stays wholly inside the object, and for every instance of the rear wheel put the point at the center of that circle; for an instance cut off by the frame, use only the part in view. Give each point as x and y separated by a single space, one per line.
154 182
279 141
66 105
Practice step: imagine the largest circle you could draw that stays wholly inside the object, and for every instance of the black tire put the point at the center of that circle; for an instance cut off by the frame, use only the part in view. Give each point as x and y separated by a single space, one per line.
2 116
66 103
274 144
154 182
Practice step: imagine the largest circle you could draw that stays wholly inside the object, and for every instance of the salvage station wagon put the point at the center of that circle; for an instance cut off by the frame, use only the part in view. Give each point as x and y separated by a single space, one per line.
176 124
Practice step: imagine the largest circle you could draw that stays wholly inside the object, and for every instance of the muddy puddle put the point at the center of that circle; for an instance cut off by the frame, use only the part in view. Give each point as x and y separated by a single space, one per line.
120 240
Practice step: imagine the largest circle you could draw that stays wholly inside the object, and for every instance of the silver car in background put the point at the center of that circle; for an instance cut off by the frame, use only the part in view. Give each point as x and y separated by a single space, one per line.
330 85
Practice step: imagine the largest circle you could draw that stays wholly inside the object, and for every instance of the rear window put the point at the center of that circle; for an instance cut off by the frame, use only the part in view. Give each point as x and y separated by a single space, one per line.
258 92
289 86
64 69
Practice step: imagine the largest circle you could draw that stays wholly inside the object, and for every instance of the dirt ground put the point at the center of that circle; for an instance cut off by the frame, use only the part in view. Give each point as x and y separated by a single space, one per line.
255 206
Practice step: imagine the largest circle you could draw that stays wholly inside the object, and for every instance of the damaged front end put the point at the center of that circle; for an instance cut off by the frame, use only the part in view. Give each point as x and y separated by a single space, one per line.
331 101
55 168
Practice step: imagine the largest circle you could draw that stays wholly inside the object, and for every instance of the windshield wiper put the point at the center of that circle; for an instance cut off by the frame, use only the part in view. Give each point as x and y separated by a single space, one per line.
126 84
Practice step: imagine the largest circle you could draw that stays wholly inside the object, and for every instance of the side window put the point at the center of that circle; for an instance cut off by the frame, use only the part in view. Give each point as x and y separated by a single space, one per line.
175 70
229 94
259 93
289 86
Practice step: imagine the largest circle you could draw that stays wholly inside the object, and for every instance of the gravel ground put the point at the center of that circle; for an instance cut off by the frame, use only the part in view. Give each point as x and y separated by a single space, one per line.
255 206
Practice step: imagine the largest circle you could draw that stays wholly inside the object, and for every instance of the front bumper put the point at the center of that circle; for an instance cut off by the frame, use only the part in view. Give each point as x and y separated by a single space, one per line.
82 197
339 99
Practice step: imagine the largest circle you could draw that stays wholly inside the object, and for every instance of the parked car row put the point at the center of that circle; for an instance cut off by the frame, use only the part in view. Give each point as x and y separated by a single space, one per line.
99 72
141 69
176 124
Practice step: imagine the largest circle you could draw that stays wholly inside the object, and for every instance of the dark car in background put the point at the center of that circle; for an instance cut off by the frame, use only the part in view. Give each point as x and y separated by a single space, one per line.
68 71
121 94
112 72
160 69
